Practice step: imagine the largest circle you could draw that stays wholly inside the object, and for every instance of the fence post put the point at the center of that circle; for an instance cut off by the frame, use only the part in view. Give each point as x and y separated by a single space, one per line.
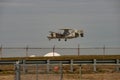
78 49
17 71
27 51
48 66
53 50
94 65
36 71
1 51
71 65
80 71
24 67
104 50
117 64
61 71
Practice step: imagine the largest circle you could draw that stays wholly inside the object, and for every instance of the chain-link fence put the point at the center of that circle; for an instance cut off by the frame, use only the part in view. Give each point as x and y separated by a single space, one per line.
27 51
62 71
45 72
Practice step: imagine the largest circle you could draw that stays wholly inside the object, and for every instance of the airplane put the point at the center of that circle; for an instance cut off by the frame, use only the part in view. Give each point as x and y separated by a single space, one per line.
67 34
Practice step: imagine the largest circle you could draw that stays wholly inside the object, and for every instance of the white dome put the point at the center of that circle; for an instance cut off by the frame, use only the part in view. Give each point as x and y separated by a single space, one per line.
32 56
51 54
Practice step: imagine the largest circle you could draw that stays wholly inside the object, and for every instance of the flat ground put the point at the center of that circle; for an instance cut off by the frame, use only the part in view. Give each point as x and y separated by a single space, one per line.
98 76
103 73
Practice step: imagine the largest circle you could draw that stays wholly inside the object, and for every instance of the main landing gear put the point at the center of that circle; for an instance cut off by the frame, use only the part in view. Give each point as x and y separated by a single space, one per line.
60 39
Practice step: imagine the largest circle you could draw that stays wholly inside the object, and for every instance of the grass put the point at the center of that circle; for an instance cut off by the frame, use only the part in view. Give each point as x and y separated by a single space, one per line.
82 57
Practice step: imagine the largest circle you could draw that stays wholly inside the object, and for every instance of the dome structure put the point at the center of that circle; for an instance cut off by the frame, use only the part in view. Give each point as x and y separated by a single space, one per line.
52 54
32 56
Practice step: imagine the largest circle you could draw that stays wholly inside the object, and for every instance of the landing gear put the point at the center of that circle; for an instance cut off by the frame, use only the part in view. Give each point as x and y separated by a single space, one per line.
65 39
59 39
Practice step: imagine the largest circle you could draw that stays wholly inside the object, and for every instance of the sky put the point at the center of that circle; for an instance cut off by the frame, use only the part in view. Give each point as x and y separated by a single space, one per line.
28 22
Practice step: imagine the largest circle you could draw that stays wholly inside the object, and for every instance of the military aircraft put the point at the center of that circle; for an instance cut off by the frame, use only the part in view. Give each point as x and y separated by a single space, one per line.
67 34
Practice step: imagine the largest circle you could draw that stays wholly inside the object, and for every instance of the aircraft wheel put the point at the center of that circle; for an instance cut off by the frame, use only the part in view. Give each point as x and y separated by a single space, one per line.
58 39
65 39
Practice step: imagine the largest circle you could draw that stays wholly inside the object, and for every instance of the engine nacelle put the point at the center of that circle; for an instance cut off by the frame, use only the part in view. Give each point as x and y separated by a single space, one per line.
82 34
76 34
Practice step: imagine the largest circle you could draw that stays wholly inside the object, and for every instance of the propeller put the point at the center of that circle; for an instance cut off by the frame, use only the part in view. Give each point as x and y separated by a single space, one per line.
81 33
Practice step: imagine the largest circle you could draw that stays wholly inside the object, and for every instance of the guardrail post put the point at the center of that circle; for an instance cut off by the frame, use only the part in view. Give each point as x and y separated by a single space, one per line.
48 65
94 65
71 65
17 71
117 64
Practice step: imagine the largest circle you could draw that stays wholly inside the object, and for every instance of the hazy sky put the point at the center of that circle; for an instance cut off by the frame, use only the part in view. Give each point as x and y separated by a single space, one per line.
28 22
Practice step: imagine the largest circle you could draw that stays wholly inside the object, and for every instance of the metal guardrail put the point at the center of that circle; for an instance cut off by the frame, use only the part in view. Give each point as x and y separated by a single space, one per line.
71 62
92 61
24 63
